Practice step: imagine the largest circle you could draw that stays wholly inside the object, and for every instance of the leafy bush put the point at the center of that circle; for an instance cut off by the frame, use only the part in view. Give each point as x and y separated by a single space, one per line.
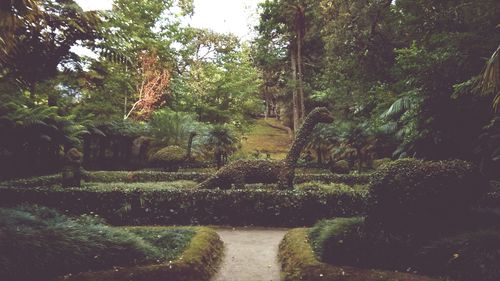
38 243
377 163
341 167
299 263
350 179
468 256
419 199
330 187
340 241
169 157
149 206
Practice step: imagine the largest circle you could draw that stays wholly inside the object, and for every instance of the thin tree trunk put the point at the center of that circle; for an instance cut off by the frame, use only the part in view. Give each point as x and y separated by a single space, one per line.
295 98
300 29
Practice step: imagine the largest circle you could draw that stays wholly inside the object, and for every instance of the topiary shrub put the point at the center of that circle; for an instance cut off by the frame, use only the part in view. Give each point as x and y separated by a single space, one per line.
377 163
465 257
168 158
412 199
340 241
341 167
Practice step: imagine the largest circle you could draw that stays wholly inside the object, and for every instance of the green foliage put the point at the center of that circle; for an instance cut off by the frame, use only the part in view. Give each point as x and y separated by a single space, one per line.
153 205
407 197
340 241
341 167
298 262
222 140
377 163
168 157
467 256
172 128
41 243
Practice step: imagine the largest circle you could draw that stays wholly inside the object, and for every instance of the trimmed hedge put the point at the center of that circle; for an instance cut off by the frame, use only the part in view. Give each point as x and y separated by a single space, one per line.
197 263
422 199
299 263
192 206
340 241
149 176
463 257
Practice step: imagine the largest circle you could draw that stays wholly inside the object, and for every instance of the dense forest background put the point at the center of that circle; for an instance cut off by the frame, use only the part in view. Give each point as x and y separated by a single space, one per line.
405 78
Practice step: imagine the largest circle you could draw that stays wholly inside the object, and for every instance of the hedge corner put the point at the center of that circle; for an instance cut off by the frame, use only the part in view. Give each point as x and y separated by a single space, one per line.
198 262
298 262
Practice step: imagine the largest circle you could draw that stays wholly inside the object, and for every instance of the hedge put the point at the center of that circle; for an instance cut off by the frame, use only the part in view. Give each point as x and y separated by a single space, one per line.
419 199
194 207
298 262
149 176
197 263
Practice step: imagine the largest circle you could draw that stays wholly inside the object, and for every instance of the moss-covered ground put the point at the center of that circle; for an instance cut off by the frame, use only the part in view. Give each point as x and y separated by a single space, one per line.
265 138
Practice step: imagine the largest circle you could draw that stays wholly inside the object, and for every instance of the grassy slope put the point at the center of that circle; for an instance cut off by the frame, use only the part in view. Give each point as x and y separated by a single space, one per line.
266 139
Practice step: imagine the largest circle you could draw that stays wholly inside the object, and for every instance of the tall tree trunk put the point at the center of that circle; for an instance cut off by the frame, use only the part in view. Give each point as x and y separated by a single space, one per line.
295 97
300 32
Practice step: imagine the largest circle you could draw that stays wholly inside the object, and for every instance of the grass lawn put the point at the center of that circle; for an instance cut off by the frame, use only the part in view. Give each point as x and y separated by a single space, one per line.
266 139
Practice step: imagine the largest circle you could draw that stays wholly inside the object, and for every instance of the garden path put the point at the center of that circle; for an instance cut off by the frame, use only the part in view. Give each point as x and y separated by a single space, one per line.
250 254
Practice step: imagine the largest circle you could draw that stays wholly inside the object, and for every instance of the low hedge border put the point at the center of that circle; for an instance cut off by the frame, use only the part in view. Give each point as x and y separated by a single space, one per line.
194 207
298 262
149 176
197 263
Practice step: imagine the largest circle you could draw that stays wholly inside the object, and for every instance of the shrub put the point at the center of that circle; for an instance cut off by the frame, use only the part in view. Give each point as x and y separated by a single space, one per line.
169 157
330 187
417 199
341 167
340 241
299 263
149 206
465 257
377 163
39 243
350 179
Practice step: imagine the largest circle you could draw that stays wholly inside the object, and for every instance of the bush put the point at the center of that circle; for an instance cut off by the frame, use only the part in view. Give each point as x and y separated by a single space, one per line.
39 243
148 206
465 257
377 163
341 167
169 158
417 199
340 241
330 187
299 263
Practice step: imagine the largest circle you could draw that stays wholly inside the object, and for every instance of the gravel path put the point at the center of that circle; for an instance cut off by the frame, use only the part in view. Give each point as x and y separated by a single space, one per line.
250 254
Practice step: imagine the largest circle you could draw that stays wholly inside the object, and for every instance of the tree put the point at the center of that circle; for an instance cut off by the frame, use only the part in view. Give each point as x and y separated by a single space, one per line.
155 80
44 45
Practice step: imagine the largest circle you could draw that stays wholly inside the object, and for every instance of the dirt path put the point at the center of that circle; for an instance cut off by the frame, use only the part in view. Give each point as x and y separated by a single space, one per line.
250 254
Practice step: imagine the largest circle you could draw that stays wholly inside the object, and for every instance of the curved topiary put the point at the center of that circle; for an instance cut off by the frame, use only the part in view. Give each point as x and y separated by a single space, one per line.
377 163
72 170
263 171
341 167
299 263
197 263
415 199
169 157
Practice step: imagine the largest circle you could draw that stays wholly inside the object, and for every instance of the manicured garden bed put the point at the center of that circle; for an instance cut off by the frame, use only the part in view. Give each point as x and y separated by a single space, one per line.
198 262
161 204
155 176
298 262
35 238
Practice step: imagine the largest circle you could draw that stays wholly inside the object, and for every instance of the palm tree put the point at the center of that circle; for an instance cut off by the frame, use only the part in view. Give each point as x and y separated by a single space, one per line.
223 142
490 78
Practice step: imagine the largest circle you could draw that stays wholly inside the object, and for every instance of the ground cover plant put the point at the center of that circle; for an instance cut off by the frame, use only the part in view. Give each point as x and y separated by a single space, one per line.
35 238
